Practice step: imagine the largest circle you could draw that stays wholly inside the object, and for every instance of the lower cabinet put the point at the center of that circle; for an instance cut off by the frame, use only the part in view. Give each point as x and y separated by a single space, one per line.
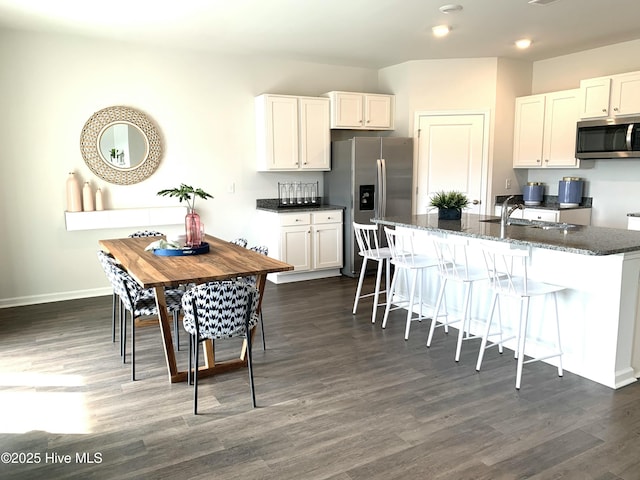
310 241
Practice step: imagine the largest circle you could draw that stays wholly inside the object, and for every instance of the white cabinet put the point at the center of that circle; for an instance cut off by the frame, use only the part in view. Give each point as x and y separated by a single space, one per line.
577 216
362 111
292 133
633 223
545 130
310 241
612 96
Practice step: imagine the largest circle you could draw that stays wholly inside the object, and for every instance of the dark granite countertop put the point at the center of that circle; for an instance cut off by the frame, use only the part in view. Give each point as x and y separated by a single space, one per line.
584 240
273 205
549 202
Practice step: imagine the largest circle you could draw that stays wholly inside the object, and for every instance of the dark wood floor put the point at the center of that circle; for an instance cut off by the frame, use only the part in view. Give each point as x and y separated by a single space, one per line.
338 398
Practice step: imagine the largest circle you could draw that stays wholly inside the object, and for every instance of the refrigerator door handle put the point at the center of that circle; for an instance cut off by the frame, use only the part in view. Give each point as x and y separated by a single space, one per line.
383 192
378 205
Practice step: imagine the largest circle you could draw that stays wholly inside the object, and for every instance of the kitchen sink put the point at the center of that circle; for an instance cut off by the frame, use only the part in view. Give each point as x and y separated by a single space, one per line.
522 222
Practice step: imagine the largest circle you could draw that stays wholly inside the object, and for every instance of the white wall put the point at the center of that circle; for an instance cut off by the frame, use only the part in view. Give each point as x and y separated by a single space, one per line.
613 184
203 105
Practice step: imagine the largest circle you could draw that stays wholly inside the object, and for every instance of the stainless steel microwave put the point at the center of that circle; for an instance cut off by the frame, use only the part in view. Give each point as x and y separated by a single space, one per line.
608 138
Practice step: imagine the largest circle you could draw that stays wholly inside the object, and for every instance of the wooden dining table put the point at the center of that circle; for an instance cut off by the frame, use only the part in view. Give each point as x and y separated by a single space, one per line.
224 261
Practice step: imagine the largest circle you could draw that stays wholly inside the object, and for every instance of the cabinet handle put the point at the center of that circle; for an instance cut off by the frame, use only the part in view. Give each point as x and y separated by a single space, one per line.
537 160
546 160
615 109
604 110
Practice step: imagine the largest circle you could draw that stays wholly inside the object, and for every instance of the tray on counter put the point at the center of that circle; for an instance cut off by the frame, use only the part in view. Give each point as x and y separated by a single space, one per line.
182 252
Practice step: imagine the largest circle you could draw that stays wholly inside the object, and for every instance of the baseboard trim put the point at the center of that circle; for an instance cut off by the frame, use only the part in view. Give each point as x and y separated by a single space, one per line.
54 297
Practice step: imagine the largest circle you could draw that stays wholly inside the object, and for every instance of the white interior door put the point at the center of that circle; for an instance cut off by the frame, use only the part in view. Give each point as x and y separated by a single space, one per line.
452 156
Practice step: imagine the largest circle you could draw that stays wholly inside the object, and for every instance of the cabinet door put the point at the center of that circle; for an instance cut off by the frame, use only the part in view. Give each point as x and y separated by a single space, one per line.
295 247
625 95
327 245
348 109
378 111
315 134
561 117
594 97
528 131
280 132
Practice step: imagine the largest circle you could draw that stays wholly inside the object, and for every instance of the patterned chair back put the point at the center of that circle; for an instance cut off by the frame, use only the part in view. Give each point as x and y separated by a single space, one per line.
220 309
242 242
262 249
108 263
125 287
146 233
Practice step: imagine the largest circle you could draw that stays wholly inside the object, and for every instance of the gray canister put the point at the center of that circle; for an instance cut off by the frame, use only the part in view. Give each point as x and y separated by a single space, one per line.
570 191
532 193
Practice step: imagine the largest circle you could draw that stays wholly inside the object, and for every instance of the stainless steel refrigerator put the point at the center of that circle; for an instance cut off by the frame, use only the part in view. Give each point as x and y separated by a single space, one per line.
371 177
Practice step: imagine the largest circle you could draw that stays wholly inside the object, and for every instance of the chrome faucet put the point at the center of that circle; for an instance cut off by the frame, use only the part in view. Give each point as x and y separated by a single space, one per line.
506 213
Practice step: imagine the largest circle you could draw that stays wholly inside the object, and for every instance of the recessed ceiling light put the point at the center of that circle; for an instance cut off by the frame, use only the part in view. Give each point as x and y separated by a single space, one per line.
451 8
523 43
441 30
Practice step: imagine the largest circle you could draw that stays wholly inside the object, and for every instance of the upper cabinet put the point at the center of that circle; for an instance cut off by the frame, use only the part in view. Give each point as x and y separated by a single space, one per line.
545 130
361 111
612 96
293 133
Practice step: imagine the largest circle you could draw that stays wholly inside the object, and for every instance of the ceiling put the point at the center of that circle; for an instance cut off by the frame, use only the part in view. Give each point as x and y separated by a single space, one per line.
367 33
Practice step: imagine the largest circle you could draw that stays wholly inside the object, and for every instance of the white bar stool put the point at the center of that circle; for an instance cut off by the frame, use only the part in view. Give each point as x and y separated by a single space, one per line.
453 266
369 246
508 272
413 265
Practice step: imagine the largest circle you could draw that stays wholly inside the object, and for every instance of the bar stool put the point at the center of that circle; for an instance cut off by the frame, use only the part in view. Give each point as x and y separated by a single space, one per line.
501 265
453 266
412 265
369 246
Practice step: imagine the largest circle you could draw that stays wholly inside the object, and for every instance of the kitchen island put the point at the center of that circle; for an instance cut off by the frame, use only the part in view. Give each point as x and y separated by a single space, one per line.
600 268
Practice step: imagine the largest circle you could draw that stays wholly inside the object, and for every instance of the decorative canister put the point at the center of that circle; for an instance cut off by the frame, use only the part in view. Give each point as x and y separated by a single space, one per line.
532 193
570 191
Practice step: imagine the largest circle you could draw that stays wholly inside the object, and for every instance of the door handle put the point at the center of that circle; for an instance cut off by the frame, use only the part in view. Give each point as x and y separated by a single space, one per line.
476 202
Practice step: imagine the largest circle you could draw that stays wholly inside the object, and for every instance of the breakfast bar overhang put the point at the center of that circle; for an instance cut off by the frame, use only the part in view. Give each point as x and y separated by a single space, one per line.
600 268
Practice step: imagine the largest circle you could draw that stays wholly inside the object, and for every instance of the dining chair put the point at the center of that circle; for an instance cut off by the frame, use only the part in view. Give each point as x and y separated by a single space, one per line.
139 302
106 261
454 267
413 265
370 249
215 311
507 270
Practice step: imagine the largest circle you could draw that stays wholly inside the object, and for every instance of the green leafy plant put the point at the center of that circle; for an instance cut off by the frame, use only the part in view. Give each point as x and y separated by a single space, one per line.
185 193
451 199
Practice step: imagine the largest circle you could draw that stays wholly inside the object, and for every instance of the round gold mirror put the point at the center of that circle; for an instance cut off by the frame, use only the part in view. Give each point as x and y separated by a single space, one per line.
120 145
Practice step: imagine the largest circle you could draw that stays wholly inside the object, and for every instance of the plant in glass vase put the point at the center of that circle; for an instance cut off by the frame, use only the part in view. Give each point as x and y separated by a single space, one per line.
449 204
192 224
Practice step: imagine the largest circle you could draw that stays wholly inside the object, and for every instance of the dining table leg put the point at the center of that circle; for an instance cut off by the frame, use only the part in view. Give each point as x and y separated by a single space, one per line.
167 339
261 283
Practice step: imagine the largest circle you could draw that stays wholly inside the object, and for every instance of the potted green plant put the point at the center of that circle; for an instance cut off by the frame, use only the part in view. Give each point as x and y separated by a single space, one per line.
449 204
192 224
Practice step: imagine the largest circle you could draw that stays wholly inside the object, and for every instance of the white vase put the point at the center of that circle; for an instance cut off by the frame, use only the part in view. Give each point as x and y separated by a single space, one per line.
87 198
74 197
99 200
